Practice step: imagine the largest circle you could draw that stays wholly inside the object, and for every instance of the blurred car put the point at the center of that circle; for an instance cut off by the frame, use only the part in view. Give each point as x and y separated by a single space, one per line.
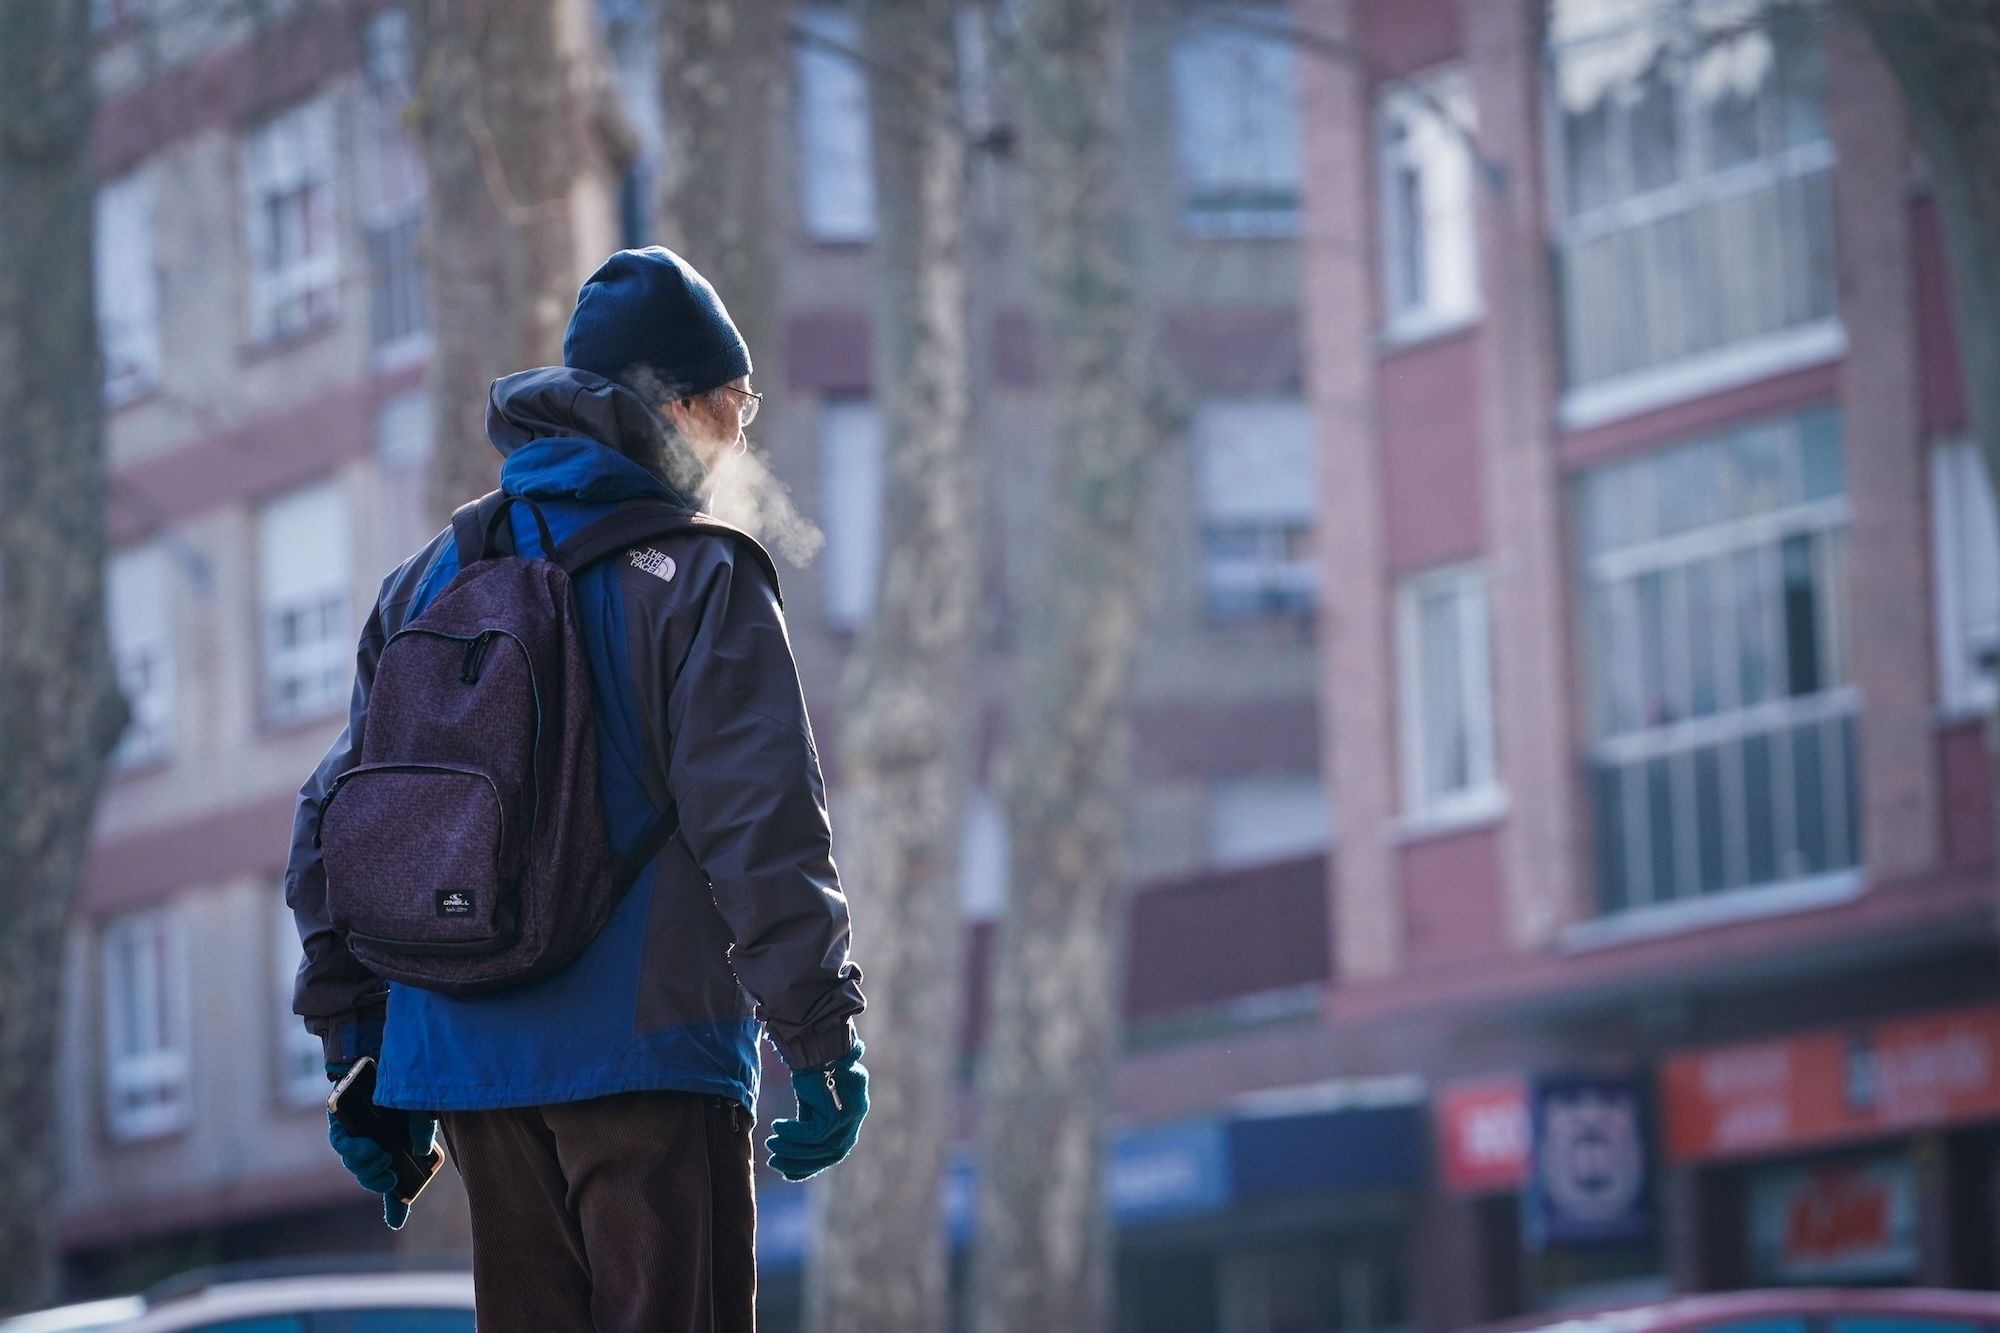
1800 1310
324 1302
83 1317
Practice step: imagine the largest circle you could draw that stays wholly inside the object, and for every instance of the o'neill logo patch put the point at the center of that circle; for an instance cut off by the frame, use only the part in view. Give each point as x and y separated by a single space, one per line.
657 563
454 902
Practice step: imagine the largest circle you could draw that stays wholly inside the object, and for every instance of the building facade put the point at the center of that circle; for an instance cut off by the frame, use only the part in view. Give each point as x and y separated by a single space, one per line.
263 312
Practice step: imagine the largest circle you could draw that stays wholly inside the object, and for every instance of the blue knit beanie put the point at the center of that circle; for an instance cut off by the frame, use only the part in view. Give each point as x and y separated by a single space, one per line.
649 321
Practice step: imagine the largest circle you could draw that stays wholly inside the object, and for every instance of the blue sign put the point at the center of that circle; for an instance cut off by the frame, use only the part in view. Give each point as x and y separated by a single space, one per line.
1382 1146
1170 1171
784 1227
1590 1178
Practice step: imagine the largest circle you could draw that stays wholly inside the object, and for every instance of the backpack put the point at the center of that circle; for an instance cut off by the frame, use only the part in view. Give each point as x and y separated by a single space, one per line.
465 850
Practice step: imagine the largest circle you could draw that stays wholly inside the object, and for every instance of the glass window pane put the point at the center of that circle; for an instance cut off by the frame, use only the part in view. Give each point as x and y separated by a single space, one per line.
1708 819
1587 155
1446 761
1803 667
1809 801
1654 124
1660 830
1759 810
1608 799
1753 627
1822 471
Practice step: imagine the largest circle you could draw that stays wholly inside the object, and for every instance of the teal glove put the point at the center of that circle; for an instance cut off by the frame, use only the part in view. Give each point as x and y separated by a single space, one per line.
833 1099
370 1162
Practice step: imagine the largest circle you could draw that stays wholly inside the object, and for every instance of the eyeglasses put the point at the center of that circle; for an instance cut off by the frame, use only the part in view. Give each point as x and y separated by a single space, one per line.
747 413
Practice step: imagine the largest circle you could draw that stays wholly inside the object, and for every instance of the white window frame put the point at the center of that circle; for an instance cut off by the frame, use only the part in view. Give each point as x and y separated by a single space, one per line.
293 151
1427 805
834 144
329 657
1439 102
853 453
1205 209
1697 188
1274 568
144 662
301 1070
127 286
148 1082
1965 531
1616 690
390 194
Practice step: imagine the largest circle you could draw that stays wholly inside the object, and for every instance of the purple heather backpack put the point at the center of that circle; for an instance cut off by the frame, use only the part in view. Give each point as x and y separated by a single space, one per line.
465 851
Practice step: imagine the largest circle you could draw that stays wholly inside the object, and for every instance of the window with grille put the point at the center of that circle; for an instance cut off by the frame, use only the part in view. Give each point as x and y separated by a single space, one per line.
290 221
1236 100
138 598
1694 231
836 164
390 186
1446 695
1255 477
147 1086
1430 272
1715 621
305 564
128 314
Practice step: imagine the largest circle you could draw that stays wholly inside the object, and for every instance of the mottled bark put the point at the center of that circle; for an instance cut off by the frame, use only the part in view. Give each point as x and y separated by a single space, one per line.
906 703
520 141
60 711
723 71
1043 1248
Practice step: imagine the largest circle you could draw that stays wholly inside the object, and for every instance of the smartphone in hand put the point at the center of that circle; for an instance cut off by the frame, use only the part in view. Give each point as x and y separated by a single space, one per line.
353 1105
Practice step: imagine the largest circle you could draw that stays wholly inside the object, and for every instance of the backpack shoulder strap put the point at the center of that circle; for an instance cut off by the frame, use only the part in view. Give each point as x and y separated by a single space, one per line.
644 520
480 530
468 528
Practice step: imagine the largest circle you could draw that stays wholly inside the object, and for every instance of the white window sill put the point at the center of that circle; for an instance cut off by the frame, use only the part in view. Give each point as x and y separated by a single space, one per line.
1704 374
1647 923
403 352
1403 332
1461 814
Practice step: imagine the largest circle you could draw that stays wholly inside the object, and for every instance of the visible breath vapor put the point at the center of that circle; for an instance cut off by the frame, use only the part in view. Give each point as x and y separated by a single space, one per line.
748 495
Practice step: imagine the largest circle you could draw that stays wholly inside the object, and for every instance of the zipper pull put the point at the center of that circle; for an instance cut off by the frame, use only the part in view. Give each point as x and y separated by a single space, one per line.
475 657
833 1092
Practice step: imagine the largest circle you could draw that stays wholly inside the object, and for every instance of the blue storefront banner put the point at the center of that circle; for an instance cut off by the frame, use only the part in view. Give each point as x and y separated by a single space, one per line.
1590 1178
1175 1171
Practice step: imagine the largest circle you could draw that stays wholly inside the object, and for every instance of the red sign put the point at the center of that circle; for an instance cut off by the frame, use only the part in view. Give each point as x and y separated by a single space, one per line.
1482 1128
1834 1085
1834 1221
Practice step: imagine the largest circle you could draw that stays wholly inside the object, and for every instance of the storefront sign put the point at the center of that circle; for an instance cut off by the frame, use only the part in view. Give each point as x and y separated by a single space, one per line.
1839 1221
1482 1129
1834 1085
1591 1153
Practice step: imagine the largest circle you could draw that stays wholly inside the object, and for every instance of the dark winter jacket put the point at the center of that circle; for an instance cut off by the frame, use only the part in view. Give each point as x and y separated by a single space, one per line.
739 923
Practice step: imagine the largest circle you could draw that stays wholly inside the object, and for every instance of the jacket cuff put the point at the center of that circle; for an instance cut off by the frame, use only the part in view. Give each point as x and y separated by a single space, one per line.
345 1038
815 1050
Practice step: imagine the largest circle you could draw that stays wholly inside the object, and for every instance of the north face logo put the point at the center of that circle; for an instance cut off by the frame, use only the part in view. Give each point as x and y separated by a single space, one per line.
454 902
657 563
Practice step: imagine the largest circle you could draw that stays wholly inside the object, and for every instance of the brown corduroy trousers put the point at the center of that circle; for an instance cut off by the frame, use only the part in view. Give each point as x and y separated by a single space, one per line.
633 1213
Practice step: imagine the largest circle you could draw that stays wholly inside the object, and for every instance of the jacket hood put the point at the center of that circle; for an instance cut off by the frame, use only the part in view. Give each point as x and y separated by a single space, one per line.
574 435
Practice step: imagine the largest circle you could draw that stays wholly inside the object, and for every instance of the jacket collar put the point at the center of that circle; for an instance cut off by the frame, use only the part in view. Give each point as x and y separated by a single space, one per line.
572 435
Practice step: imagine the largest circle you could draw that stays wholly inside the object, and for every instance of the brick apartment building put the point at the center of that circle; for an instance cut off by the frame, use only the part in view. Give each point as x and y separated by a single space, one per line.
1656 582
264 318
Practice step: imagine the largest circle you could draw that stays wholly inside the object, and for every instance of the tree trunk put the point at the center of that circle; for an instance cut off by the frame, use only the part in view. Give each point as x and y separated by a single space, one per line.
60 711
1043 1255
723 70
906 703
520 141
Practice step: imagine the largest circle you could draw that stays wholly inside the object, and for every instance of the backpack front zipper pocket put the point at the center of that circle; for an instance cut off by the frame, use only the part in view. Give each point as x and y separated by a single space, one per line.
416 859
